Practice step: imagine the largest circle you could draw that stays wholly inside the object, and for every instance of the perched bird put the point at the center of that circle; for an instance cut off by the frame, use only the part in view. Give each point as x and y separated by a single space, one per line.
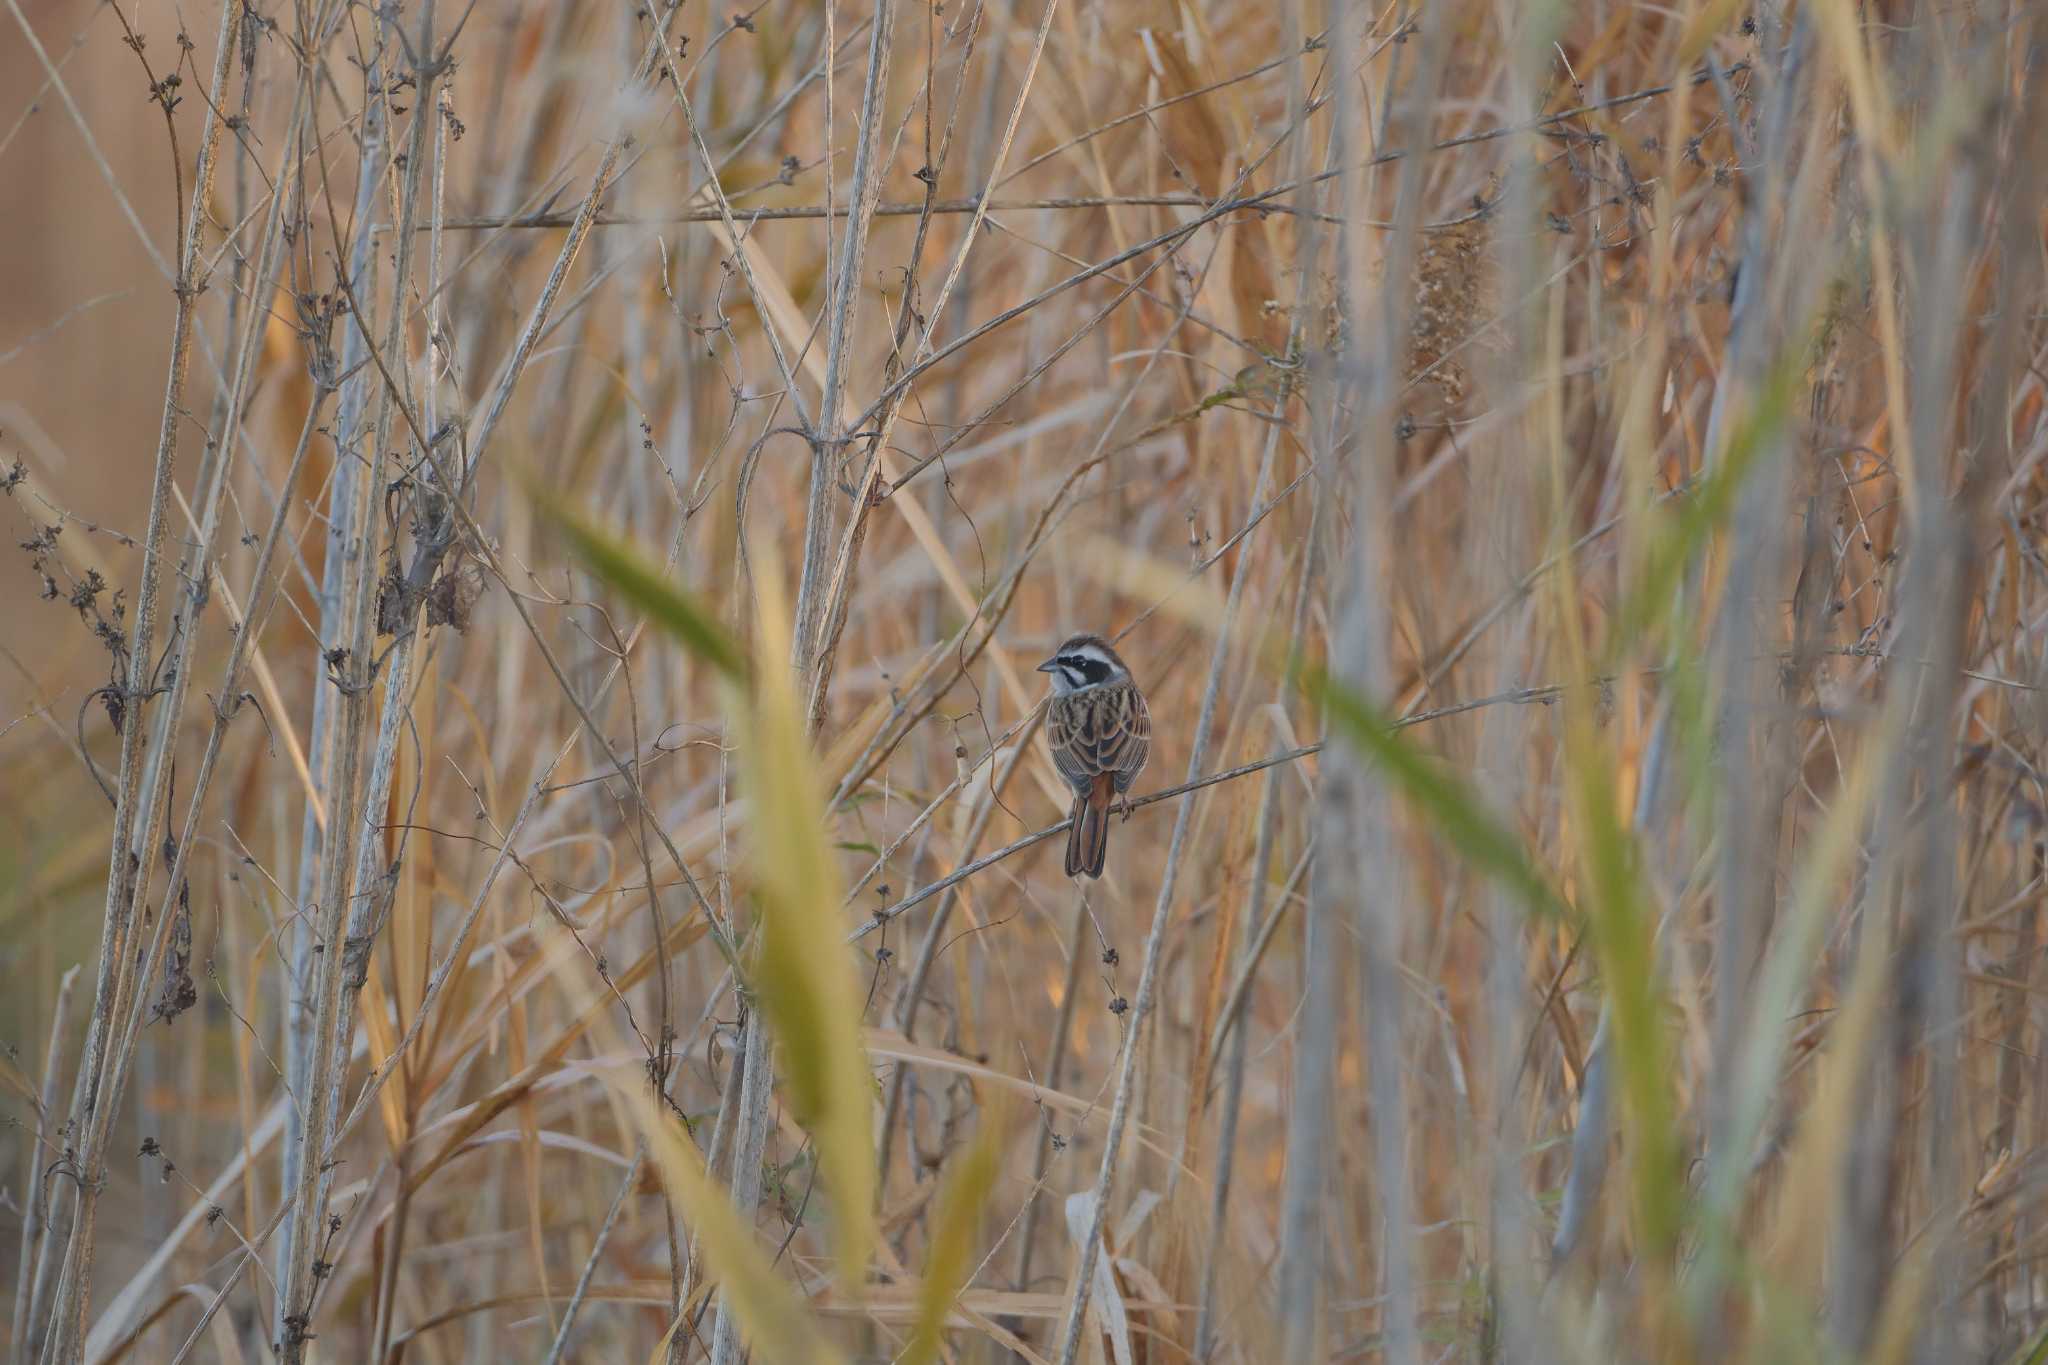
1101 735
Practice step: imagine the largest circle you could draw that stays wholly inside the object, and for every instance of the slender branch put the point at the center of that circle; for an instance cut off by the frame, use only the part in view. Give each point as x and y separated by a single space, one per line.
1262 201
604 1234
961 874
912 993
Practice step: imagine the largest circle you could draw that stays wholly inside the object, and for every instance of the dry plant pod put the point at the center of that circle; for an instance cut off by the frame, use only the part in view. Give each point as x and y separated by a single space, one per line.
1453 302
1454 298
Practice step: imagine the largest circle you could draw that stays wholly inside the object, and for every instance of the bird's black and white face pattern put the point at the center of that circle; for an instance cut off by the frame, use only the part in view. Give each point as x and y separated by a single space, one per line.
1082 662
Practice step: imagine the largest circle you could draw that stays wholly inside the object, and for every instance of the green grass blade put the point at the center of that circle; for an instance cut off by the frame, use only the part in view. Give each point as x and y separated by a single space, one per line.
637 579
803 974
1622 921
950 1262
773 1318
1449 803
1644 608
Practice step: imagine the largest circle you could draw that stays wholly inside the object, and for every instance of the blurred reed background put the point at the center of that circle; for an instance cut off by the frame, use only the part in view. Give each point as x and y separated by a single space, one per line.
521 779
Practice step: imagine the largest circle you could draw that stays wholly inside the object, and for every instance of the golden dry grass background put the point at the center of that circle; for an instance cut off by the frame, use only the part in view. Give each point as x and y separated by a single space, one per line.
1635 412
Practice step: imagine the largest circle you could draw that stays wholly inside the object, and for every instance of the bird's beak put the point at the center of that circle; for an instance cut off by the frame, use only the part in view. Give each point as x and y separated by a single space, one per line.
1050 664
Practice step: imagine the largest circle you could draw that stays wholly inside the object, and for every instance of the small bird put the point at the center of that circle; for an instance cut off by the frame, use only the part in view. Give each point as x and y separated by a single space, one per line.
1100 734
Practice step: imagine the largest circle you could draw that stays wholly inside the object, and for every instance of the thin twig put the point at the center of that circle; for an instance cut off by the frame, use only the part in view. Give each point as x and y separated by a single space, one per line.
988 860
31 1272
1263 200
604 1234
1256 929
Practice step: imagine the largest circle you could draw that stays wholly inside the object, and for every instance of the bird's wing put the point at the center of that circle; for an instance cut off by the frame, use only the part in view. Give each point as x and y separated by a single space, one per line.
1064 727
1134 744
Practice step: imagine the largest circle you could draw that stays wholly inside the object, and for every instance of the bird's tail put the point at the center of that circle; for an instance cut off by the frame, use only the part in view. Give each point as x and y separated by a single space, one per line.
1088 840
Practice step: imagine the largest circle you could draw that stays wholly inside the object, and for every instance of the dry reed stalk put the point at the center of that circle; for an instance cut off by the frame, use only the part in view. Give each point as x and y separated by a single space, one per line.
1352 805
344 503
343 917
92 1113
811 653
363 912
